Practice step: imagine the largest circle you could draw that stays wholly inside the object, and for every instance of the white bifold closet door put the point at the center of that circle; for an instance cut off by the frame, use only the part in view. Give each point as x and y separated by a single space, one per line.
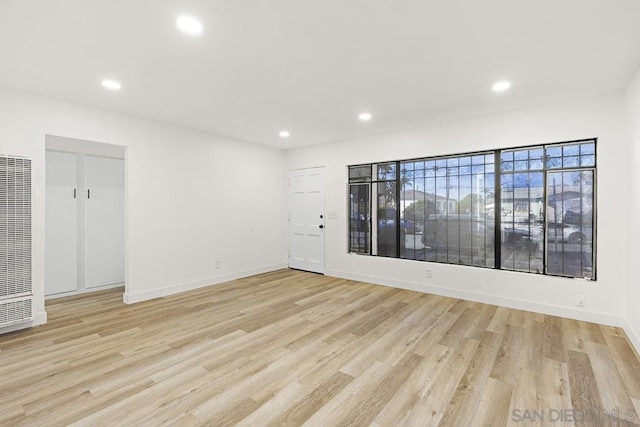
104 221
61 238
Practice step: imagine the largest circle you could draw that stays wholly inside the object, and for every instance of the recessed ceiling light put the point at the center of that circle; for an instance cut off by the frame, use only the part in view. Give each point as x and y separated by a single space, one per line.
111 84
365 116
189 25
501 86
285 133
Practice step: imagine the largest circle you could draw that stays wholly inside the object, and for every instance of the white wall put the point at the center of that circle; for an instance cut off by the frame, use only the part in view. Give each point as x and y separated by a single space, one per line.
193 198
633 283
601 117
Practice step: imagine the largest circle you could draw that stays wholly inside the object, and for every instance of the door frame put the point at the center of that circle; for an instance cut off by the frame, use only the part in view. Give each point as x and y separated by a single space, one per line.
100 149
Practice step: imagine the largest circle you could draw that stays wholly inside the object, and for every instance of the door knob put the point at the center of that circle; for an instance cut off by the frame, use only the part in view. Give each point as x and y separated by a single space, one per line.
321 226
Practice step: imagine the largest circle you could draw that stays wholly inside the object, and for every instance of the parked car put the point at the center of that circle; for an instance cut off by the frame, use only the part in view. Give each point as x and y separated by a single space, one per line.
466 235
571 233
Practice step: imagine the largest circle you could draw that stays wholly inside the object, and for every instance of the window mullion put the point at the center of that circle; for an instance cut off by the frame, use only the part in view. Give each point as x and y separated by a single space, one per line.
497 212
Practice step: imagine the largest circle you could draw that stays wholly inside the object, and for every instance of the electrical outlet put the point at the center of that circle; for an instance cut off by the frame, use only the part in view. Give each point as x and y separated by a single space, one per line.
217 264
429 274
580 302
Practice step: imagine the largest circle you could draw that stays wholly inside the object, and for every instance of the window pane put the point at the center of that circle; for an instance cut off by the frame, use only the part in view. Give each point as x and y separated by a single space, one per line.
465 170
571 162
536 163
521 165
478 160
570 150
521 222
554 151
386 242
570 223
451 219
360 173
412 212
521 155
386 171
536 154
506 156
359 209
506 166
588 148
554 162
588 160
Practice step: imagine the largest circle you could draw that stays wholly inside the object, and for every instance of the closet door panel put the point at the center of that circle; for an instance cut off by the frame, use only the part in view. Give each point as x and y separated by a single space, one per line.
104 221
61 223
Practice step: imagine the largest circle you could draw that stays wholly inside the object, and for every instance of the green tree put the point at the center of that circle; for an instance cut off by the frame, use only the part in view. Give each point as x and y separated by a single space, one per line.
419 210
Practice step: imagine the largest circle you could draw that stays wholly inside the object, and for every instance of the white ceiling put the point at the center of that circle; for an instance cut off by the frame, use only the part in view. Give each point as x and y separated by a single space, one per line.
312 66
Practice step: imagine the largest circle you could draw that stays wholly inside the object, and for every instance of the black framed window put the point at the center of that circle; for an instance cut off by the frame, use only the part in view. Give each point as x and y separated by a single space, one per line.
529 209
445 209
360 209
570 236
522 209
388 235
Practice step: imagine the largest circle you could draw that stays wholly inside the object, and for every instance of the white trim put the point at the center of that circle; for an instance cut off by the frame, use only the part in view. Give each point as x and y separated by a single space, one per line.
84 291
39 319
634 336
553 310
131 298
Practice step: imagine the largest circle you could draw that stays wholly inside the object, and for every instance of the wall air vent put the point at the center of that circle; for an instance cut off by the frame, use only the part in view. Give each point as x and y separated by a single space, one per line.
15 241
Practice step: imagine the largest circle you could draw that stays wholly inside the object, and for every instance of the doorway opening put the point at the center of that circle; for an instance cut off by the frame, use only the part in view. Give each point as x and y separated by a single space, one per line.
85 216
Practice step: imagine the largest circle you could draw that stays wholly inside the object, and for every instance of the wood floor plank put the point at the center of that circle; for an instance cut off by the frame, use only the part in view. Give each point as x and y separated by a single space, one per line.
136 407
585 395
505 365
463 406
414 389
337 408
553 383
526 397
294 348
371 400
304 408
494 404
636 405
499 321
627 363
439 393
611 385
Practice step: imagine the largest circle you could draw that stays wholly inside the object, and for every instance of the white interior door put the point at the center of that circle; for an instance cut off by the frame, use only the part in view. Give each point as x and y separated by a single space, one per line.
61 223
104 221
306 251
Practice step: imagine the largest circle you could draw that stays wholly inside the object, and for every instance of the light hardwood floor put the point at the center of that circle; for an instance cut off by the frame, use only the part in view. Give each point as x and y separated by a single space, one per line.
289 348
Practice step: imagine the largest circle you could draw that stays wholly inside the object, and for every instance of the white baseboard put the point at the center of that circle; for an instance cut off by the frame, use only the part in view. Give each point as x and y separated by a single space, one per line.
131 298
553 310
634 336
38 319
84 291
